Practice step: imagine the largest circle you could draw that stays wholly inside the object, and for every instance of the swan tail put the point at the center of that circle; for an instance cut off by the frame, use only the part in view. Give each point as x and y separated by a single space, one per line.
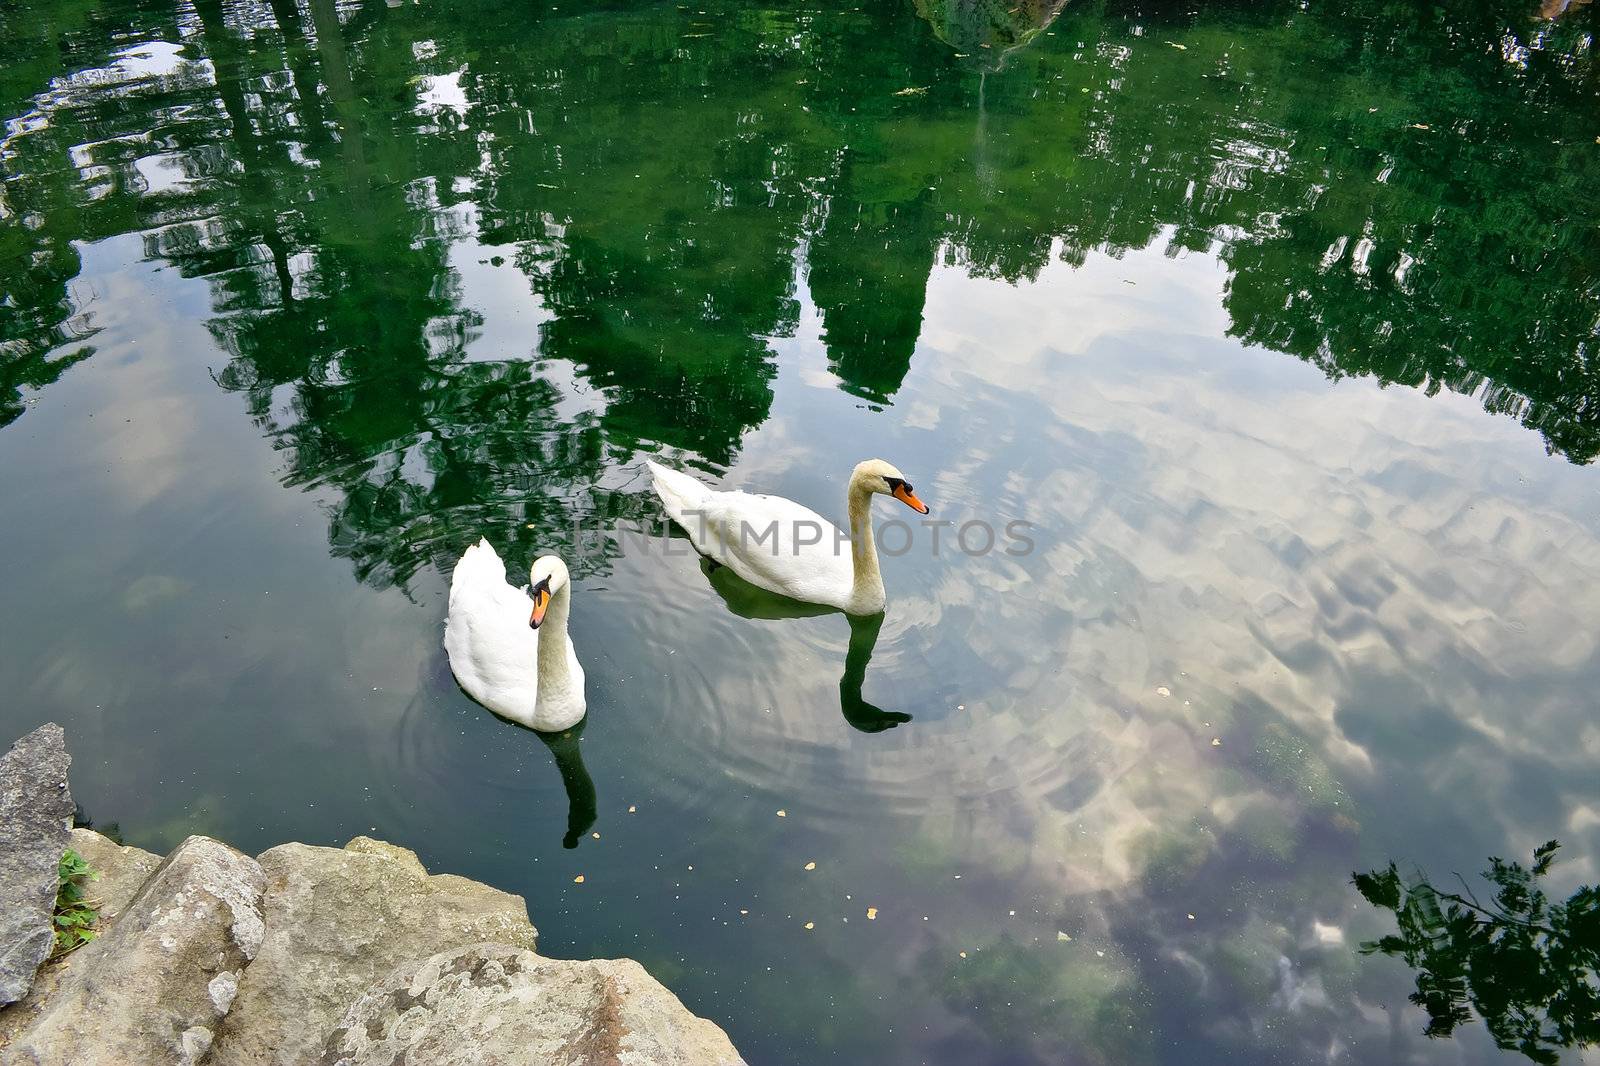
678 491
478 567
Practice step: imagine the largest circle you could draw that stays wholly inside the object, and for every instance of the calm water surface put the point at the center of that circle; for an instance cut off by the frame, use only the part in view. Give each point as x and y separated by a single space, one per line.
1278 321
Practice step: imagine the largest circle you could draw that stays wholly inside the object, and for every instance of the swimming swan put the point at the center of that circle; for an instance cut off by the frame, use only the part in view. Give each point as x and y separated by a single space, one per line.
778 545
509 647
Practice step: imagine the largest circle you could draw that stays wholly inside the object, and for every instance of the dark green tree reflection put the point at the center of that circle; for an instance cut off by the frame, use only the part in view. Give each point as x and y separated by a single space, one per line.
1400 194
1527 965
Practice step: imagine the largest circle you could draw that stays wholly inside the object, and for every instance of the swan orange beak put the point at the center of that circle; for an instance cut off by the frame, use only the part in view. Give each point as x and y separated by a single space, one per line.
903 493
541 602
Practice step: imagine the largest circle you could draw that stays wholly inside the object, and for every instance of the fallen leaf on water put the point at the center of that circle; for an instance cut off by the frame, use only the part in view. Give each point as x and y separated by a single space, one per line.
632 810
1216 742
1062 936
1100 953
743 911
578 880
913 90
811 925
1179 47
1419 125
783 814
1163 691
595 835
963 954
1191 917
811 866
872 914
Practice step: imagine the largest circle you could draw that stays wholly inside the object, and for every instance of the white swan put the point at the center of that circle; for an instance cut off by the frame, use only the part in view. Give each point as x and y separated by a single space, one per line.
780 546
509 647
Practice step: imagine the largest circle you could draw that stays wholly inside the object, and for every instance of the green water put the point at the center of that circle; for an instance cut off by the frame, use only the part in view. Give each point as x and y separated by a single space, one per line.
1278 321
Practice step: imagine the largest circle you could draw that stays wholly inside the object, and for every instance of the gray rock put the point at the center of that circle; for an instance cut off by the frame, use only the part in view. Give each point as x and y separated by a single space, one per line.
35 818
496 1005
122 872
336 921
146 992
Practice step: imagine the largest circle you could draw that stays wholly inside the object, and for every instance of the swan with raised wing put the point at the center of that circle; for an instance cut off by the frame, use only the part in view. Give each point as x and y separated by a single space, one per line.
768 540
509 647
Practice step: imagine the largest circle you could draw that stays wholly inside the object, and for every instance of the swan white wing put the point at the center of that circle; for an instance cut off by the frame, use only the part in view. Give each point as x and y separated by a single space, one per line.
771 542
492 649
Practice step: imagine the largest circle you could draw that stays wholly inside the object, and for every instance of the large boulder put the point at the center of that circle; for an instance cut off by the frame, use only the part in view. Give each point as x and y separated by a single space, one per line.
495 1005
152 989
336 921
35 822
120 873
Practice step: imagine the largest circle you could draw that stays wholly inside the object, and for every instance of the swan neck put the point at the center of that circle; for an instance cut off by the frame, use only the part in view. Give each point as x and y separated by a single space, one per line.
553 635
863 550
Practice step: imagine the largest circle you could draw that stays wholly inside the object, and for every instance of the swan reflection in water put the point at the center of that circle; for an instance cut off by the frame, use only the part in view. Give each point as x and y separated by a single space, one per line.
581 802
748 601
582 808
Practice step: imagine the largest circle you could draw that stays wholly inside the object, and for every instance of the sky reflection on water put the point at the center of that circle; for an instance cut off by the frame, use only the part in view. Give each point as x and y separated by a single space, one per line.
315 294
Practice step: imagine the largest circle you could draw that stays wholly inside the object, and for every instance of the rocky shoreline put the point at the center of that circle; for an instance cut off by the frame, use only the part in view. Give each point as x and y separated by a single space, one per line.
353 956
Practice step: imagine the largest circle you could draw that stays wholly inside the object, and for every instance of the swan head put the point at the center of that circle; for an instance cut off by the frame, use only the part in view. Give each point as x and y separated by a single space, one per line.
546 577
876 475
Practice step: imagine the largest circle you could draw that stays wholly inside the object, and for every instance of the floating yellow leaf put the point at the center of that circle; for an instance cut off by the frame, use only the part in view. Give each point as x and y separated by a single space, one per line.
1216 742
632 809
872 914
963 954
783 814
811 925
578 880
811 866
1163 691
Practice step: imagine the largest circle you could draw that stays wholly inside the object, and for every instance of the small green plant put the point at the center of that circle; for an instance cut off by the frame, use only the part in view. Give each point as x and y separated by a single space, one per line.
75 915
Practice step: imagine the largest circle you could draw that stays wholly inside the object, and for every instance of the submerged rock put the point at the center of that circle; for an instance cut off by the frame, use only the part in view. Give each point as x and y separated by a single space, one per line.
153 988
495 1004
35 821
336 921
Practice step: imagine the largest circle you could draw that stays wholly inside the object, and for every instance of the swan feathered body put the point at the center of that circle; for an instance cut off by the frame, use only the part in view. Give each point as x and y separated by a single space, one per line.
531 676
785 547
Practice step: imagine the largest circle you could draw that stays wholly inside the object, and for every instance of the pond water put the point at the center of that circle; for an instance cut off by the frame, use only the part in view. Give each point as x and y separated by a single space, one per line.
1277 321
